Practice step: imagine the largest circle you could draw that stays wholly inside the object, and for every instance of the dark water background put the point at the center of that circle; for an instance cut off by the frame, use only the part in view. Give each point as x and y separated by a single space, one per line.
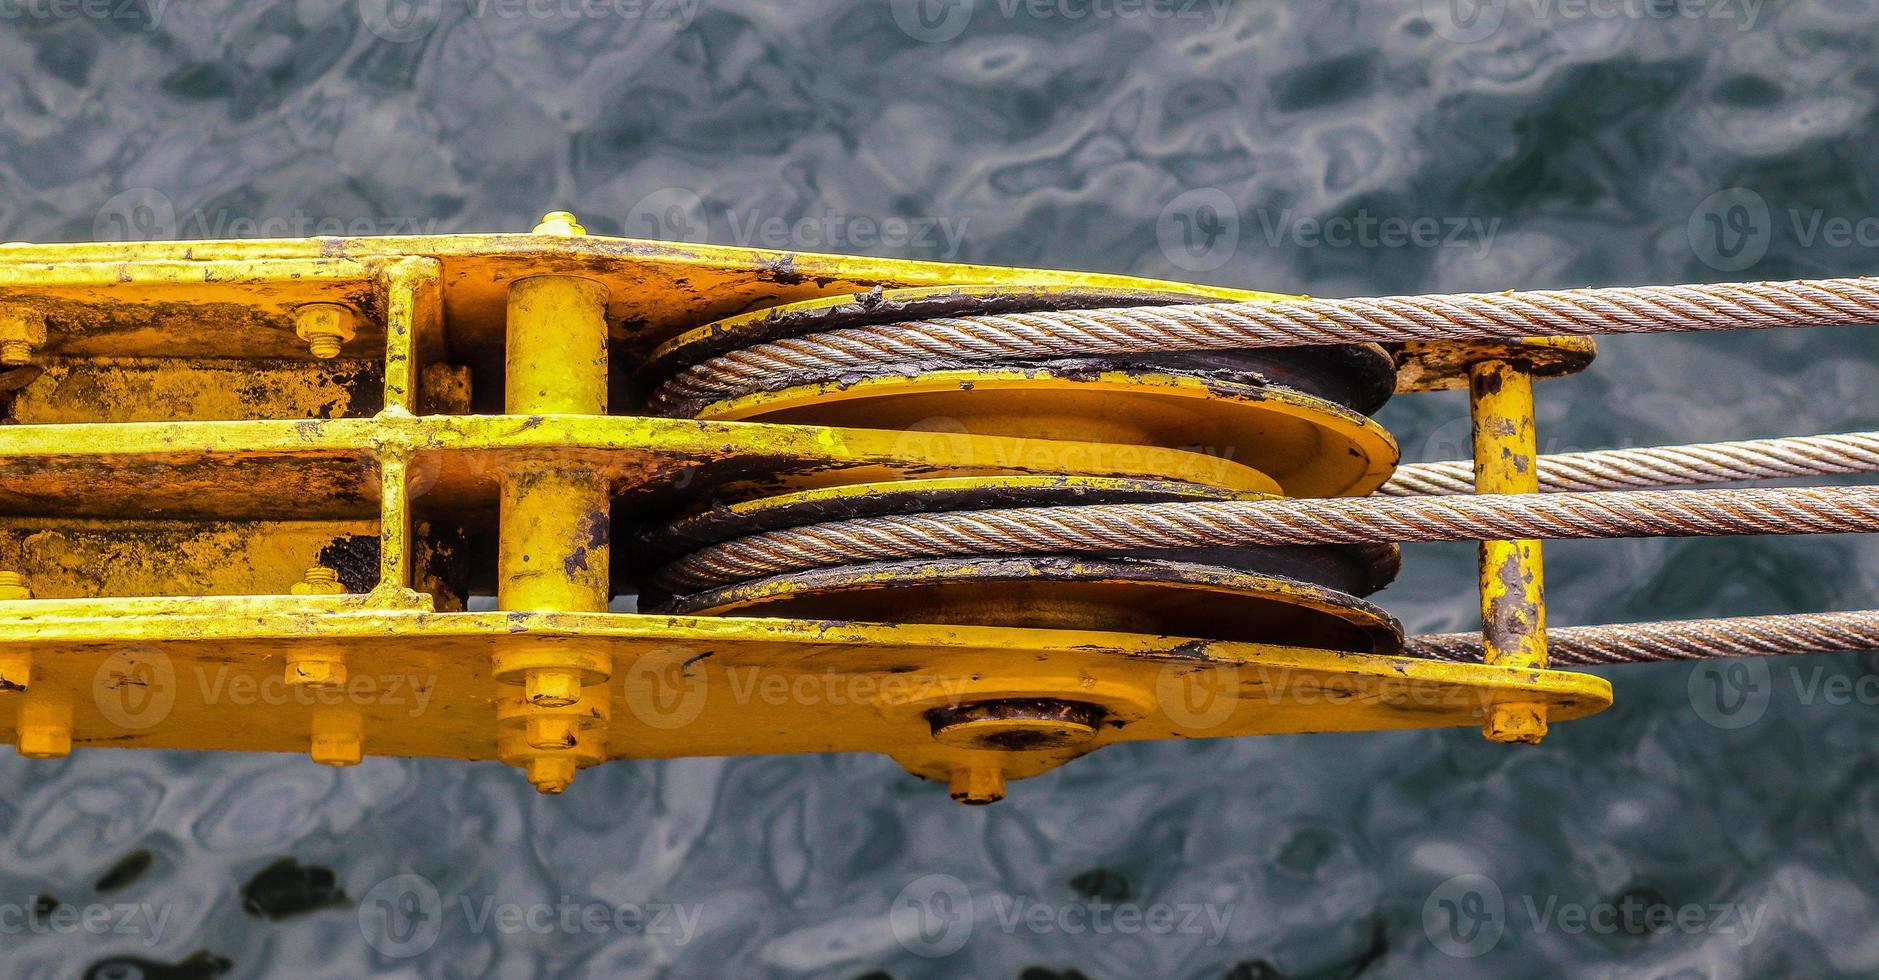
1553 143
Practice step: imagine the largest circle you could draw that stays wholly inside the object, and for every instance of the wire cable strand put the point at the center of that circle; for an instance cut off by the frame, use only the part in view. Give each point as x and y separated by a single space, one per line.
1690 639
1663 466
1286 323
1189 524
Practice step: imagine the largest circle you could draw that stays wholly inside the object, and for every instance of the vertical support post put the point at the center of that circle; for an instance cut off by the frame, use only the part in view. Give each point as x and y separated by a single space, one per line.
554 520
413 326
16 665
1513 596
394 524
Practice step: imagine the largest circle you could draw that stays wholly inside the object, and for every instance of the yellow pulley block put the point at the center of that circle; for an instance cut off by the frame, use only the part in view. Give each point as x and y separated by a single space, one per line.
424 497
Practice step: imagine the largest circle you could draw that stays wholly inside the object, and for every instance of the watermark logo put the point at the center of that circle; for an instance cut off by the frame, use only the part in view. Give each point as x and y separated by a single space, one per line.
1731 694
669 689
1465 916
402 916
1464 21
676 214
144 920
408 21
1474 21
936 914
663 690
401 21
840 231
135 689
143 214
1735 693
935 21
932 916
1198 699
147 14
1199 231
1731 229
671 214
140 214
409 692
932 21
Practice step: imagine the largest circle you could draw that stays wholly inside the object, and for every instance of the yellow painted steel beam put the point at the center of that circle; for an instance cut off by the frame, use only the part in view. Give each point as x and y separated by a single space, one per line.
205 673
657 290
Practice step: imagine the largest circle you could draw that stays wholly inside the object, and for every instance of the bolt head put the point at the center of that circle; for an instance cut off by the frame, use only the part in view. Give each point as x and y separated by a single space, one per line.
338 749
1515 723
551 688
560 223
977 785
551 774
324 326
45 741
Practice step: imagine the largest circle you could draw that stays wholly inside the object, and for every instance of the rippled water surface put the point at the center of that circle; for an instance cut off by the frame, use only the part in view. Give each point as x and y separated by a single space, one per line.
1537 143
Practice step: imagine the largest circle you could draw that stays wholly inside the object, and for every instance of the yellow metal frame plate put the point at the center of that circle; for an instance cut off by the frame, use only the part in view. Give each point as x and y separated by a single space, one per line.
430 302
204 674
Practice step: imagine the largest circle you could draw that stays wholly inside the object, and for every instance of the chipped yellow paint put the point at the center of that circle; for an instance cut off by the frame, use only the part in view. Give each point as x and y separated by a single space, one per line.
159 509
1513 593
555 536
1269 440
132 389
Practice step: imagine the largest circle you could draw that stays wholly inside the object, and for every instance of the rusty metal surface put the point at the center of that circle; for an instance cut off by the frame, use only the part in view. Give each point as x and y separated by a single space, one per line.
1150 596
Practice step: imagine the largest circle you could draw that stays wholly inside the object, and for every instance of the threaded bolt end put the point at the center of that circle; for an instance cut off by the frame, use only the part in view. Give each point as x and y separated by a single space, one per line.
324 345
551 774
13 586
14 353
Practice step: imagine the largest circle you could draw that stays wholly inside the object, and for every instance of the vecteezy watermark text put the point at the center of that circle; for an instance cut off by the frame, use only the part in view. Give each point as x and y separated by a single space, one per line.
1470 21
680 215
408 21
936 914
405 915
146 13
143 214
144 920
1467 915
1200 230
938 21
1732 693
